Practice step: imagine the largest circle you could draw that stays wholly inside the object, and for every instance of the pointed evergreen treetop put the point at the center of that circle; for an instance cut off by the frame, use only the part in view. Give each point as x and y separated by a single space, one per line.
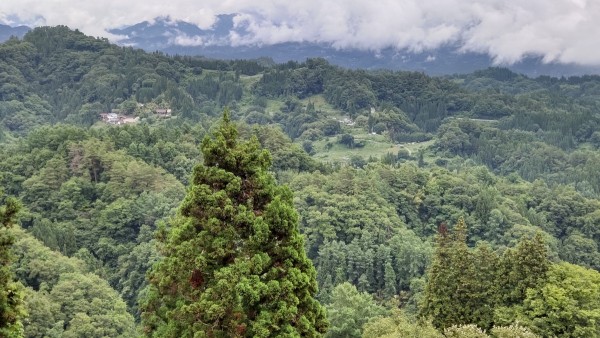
234 263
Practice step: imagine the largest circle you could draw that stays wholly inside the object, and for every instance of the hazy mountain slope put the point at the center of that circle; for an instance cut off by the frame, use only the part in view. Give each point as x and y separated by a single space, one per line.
179 37
183 38
7 31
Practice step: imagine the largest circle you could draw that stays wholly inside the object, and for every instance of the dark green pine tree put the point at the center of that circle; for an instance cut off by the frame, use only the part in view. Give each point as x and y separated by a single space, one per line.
389 289
486 294
448 298
524 267
462 269
11 297
440 287
233 262
477 286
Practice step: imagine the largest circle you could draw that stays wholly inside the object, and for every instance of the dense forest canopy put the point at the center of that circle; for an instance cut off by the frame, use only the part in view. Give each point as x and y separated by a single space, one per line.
407 187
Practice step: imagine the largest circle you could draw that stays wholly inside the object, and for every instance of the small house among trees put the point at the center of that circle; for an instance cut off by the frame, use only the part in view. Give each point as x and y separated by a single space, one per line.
163 112
110 118
116 119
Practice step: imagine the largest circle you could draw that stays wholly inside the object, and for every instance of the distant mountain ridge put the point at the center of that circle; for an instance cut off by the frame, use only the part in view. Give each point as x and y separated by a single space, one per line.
7 31
179 37
163 33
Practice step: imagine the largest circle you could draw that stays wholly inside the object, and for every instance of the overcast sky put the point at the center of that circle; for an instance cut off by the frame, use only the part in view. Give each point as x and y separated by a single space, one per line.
559 30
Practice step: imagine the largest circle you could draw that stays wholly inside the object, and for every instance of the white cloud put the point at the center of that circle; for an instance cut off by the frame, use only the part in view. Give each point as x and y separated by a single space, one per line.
185 40
557 30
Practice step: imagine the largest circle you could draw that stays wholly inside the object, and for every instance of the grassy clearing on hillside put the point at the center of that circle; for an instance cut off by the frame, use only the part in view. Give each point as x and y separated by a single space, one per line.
376 146
322 105
249 80
247 83
273 106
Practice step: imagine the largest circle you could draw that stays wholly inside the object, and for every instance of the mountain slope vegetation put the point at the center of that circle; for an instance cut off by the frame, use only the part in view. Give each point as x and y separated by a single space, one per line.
499 158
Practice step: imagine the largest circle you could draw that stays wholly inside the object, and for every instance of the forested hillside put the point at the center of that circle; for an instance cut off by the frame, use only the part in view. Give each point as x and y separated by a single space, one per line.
428 205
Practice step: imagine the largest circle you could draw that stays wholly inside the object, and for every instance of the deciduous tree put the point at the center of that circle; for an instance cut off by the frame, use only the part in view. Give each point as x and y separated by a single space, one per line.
11 301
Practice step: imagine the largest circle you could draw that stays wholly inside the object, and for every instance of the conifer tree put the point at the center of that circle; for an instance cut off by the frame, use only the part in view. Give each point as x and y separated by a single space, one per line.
390 280
439 288
486 295
451 285
233 262
477 286
11 299
522 268
462 272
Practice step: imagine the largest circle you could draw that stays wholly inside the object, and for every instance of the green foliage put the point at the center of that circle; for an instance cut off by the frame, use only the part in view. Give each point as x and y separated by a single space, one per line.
355 235
132 270
64 299
42 312
234 263
285 154
450 290
399 325
567 305
519 157
90 308
11 293
347 140
522 286
348 310
523 268
466 286
464 331
38 265
512 331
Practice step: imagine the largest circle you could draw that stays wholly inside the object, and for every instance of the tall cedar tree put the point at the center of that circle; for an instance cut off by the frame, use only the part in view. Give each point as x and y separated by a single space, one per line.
234 263
524 267
11 299
450 279
467 286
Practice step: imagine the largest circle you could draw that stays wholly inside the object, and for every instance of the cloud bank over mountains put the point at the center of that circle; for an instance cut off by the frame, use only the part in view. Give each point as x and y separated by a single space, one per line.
563 31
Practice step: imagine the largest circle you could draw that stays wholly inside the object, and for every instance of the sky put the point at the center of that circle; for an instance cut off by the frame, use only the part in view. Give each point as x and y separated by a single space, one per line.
566 31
